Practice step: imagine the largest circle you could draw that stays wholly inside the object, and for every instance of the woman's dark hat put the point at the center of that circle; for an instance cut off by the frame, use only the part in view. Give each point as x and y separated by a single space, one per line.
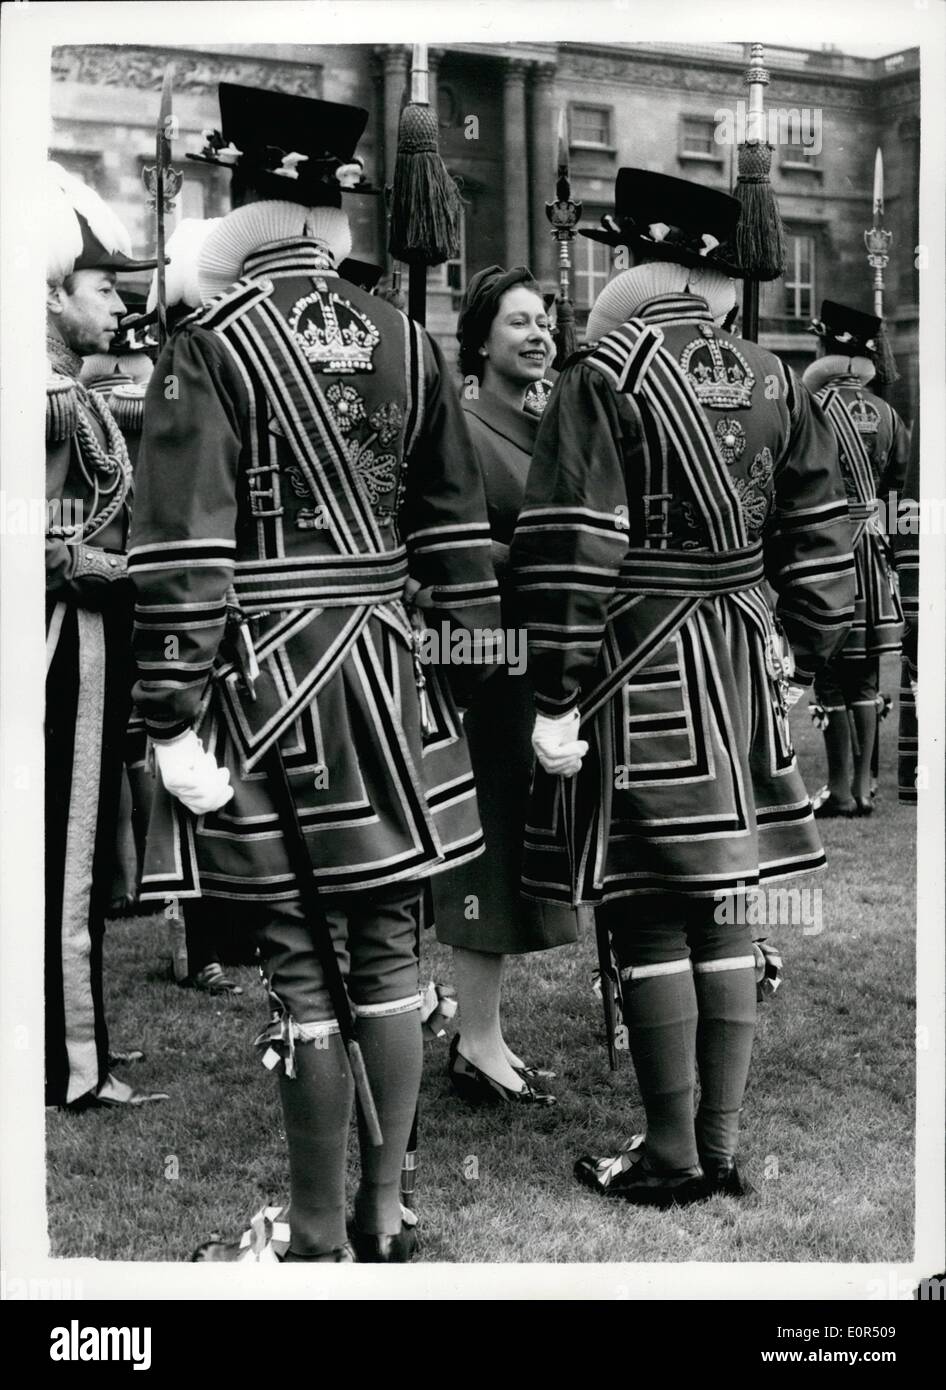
481 300
847 330
291 148
662 218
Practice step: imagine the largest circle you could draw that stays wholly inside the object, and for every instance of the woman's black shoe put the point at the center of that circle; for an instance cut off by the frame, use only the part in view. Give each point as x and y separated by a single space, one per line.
384 1249
536 1073
478 1088
527 1073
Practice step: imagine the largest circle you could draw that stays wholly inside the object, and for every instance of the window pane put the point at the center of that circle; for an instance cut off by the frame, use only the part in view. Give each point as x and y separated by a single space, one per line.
698 135
591 125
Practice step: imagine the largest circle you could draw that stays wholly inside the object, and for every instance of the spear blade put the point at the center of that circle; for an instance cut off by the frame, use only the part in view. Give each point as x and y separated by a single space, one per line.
162 154
878 185
564 214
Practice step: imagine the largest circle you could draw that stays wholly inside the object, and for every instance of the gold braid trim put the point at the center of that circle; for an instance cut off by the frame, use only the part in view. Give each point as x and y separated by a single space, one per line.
62 409
127 404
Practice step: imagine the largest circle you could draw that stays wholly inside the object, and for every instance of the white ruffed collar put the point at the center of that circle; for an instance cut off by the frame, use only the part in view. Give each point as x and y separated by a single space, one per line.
857 370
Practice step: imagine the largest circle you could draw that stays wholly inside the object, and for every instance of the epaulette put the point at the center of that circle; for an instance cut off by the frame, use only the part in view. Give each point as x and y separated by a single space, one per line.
62 409
127 404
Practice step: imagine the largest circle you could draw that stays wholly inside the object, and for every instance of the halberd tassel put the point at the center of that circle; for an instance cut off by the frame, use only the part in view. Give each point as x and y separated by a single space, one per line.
760 236
425 204
884 360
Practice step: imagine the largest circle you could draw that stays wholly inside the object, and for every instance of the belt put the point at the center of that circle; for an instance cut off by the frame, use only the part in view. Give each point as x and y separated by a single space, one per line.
691 573
320 581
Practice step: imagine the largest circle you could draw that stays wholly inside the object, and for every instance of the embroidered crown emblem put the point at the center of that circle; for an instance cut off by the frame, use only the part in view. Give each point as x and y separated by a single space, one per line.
865 417
718 373
332 333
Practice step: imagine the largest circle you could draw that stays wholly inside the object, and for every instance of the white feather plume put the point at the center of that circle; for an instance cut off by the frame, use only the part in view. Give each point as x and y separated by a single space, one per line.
63 236
183 247
248 228
103 223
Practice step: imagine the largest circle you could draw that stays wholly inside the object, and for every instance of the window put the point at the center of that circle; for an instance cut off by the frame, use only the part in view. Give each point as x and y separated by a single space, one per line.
698 139
452 274
799 284
591 125
800 144
592 270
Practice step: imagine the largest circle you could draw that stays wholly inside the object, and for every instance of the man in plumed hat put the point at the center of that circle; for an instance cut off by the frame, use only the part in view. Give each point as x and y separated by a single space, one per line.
88 626
676 469
303 455
874 447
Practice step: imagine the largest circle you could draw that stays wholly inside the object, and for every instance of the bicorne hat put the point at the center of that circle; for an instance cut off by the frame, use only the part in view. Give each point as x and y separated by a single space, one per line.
847 330
82 231
663 218
289 148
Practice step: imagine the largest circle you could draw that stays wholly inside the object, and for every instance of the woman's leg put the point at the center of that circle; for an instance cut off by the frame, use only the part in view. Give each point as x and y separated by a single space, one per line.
479 977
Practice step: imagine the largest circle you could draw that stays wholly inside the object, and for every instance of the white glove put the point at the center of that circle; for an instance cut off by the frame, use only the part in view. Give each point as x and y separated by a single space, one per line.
793 694
192 775
557 745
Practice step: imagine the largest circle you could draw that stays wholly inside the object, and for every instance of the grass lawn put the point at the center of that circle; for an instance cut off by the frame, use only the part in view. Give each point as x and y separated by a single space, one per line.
827 1124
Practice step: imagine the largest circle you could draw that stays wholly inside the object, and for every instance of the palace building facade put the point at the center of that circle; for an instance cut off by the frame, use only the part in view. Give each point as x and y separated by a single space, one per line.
673 108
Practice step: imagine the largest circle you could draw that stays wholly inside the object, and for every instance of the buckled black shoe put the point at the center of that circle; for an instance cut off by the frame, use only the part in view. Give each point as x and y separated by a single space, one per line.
830 808
722 1176
344 1255
212 980
116 1094
628 1176
398 1249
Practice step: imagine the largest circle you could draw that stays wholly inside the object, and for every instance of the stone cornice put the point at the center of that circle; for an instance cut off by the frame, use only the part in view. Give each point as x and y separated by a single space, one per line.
142 67
679 71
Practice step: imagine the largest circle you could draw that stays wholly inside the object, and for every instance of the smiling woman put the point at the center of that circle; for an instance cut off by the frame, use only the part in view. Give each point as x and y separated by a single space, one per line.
505 353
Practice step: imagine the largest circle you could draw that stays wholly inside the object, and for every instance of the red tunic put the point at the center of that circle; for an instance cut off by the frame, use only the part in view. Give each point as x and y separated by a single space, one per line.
639 565
295 432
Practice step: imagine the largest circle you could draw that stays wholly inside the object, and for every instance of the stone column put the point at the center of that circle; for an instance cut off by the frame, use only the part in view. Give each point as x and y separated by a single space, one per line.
396 60
543 172
435 57
516 163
